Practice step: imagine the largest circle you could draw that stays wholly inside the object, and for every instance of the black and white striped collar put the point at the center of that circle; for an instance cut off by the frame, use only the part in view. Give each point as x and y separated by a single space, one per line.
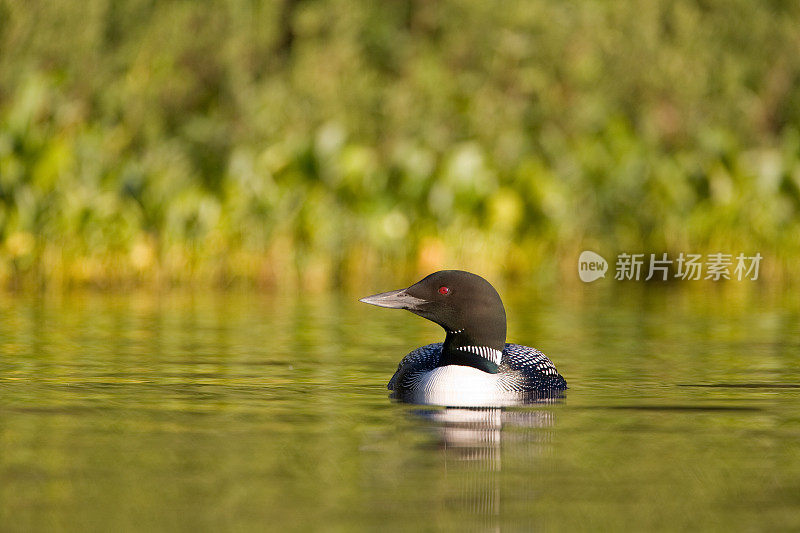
491 354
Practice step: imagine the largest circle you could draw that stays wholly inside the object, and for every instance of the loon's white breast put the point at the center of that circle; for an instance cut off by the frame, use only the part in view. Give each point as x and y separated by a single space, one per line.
463 386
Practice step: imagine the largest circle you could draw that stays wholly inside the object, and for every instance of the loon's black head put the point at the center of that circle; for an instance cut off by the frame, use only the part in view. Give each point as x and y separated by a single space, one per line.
466 306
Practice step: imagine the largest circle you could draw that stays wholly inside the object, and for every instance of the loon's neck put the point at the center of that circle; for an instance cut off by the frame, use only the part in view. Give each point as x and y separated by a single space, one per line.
461 348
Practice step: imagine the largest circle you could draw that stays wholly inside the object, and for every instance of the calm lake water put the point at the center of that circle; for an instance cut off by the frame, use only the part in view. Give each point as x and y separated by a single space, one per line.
252 412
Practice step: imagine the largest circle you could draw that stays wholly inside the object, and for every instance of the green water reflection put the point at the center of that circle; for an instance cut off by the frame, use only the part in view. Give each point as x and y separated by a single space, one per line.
254 412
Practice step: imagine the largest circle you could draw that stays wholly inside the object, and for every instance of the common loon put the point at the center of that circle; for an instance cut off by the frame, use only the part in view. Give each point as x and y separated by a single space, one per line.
474 366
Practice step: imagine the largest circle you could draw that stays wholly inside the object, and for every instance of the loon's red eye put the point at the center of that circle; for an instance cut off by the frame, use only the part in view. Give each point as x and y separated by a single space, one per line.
444 290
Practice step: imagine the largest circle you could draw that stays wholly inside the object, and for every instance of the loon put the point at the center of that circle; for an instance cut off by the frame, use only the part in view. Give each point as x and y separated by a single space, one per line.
474 366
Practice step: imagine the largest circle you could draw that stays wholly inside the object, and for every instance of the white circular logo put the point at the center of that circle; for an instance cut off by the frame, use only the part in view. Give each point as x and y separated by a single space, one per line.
591 266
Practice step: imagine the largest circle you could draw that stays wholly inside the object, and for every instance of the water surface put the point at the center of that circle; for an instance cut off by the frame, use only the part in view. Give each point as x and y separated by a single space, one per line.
256 412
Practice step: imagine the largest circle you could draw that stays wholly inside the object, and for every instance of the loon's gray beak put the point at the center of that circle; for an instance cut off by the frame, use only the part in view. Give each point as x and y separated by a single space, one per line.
394 299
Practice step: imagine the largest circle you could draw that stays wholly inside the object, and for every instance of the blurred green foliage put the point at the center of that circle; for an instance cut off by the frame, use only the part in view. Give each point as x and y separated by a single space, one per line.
328 141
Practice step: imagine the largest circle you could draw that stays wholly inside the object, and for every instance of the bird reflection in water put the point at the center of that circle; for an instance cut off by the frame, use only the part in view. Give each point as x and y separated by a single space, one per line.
473 441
